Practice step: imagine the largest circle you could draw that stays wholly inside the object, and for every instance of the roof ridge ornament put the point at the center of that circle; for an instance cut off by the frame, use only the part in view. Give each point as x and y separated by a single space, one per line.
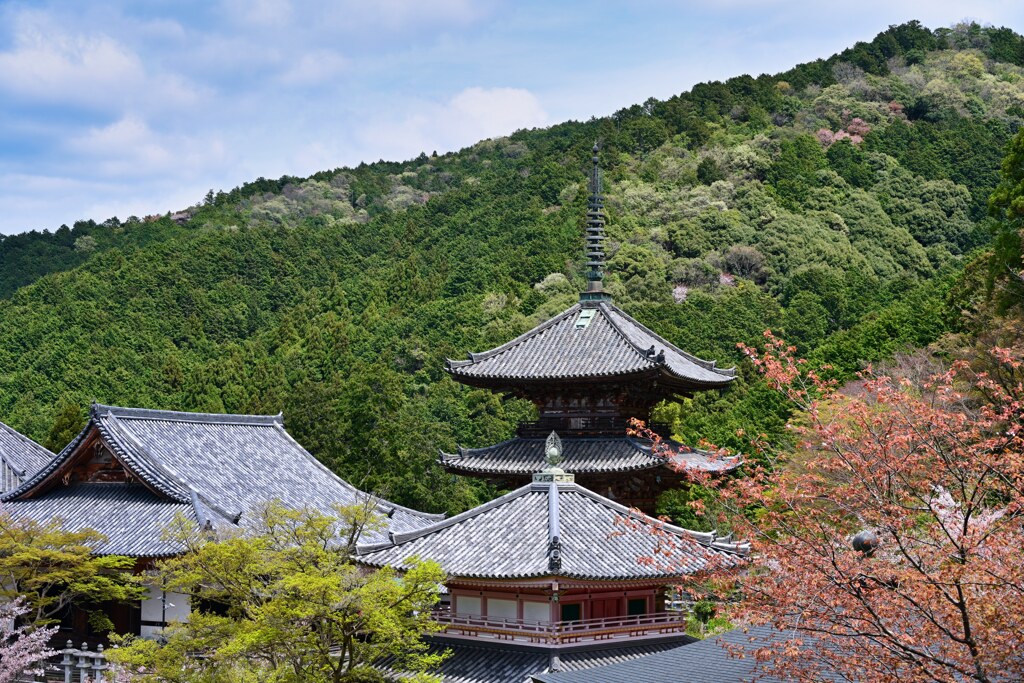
595 238
553 449
553 474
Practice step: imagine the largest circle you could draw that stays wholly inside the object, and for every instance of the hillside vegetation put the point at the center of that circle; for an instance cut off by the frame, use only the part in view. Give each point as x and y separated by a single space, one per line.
837 203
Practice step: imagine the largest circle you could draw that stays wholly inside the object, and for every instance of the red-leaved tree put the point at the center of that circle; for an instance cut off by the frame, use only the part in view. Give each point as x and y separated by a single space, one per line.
928 480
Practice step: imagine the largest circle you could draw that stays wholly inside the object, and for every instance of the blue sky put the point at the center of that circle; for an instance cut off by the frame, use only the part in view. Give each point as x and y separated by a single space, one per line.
120 108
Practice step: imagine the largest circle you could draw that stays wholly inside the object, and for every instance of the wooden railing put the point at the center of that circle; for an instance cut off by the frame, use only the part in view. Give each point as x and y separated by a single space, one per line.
562 632
582 425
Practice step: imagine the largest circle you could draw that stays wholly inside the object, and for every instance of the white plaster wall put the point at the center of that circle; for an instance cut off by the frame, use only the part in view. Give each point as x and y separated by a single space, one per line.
501 609
468 604
162 607
536 611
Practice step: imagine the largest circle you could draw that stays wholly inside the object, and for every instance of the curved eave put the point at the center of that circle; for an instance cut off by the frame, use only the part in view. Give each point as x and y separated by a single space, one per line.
728 557
452 464
625 349
456 553
145 468
508 459
161 483
39 479
662 378
488 462
657 577
727 374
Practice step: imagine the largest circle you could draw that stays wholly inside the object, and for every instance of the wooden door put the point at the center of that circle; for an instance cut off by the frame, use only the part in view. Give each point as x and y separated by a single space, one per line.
604 608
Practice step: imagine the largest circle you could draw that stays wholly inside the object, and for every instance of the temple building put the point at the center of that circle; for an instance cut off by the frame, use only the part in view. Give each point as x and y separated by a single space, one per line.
589 370
130 472
20 458
553 576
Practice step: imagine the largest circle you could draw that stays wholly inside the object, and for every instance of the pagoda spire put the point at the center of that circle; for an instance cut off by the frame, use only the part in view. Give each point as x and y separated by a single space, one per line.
595 238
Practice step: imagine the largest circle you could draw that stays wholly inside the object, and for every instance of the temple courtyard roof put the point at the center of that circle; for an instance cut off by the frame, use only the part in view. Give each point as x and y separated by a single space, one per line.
549 529
215 469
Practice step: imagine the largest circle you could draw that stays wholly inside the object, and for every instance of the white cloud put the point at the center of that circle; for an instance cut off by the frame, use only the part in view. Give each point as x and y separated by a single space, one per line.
49 64
369 16
471 115
396 14
270 13
314 67
129 147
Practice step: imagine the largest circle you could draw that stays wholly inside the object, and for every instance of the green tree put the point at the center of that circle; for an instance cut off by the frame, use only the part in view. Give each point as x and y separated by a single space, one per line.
66 426
708 171
806 320
794 173
284 602
54 569
1006 205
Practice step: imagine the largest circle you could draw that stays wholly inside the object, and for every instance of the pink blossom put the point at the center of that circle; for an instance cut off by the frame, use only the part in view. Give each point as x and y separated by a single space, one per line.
858 126
22 648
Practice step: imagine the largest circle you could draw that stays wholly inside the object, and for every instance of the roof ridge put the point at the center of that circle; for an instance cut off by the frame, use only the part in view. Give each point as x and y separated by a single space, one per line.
605 308
197 500
59 459
122 412
379 501
395 539
554 530
533 331
463 450
176 487
31 443
706 364
708 539
11 466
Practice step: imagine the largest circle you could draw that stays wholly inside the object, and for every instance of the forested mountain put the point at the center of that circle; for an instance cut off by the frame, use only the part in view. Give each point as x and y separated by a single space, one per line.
838 203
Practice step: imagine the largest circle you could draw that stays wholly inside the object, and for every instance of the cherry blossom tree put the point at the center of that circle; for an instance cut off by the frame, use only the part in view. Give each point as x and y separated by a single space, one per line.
21 648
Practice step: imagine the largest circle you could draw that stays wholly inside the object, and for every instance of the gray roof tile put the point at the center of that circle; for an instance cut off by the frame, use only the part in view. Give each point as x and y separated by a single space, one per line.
130 515
612 344
706 661
503 663
509 537
580 455
219 465
23 456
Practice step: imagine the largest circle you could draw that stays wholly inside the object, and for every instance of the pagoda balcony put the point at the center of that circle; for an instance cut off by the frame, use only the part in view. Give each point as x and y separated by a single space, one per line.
582 425
561 632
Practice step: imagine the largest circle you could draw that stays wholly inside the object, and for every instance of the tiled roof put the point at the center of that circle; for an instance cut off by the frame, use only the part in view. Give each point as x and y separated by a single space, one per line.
512 537
503 663
130 515
23 456
580 455
610 344
221 465
706 661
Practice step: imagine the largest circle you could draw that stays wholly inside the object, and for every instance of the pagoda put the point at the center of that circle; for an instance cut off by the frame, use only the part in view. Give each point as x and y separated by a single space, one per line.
553 576
589 371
